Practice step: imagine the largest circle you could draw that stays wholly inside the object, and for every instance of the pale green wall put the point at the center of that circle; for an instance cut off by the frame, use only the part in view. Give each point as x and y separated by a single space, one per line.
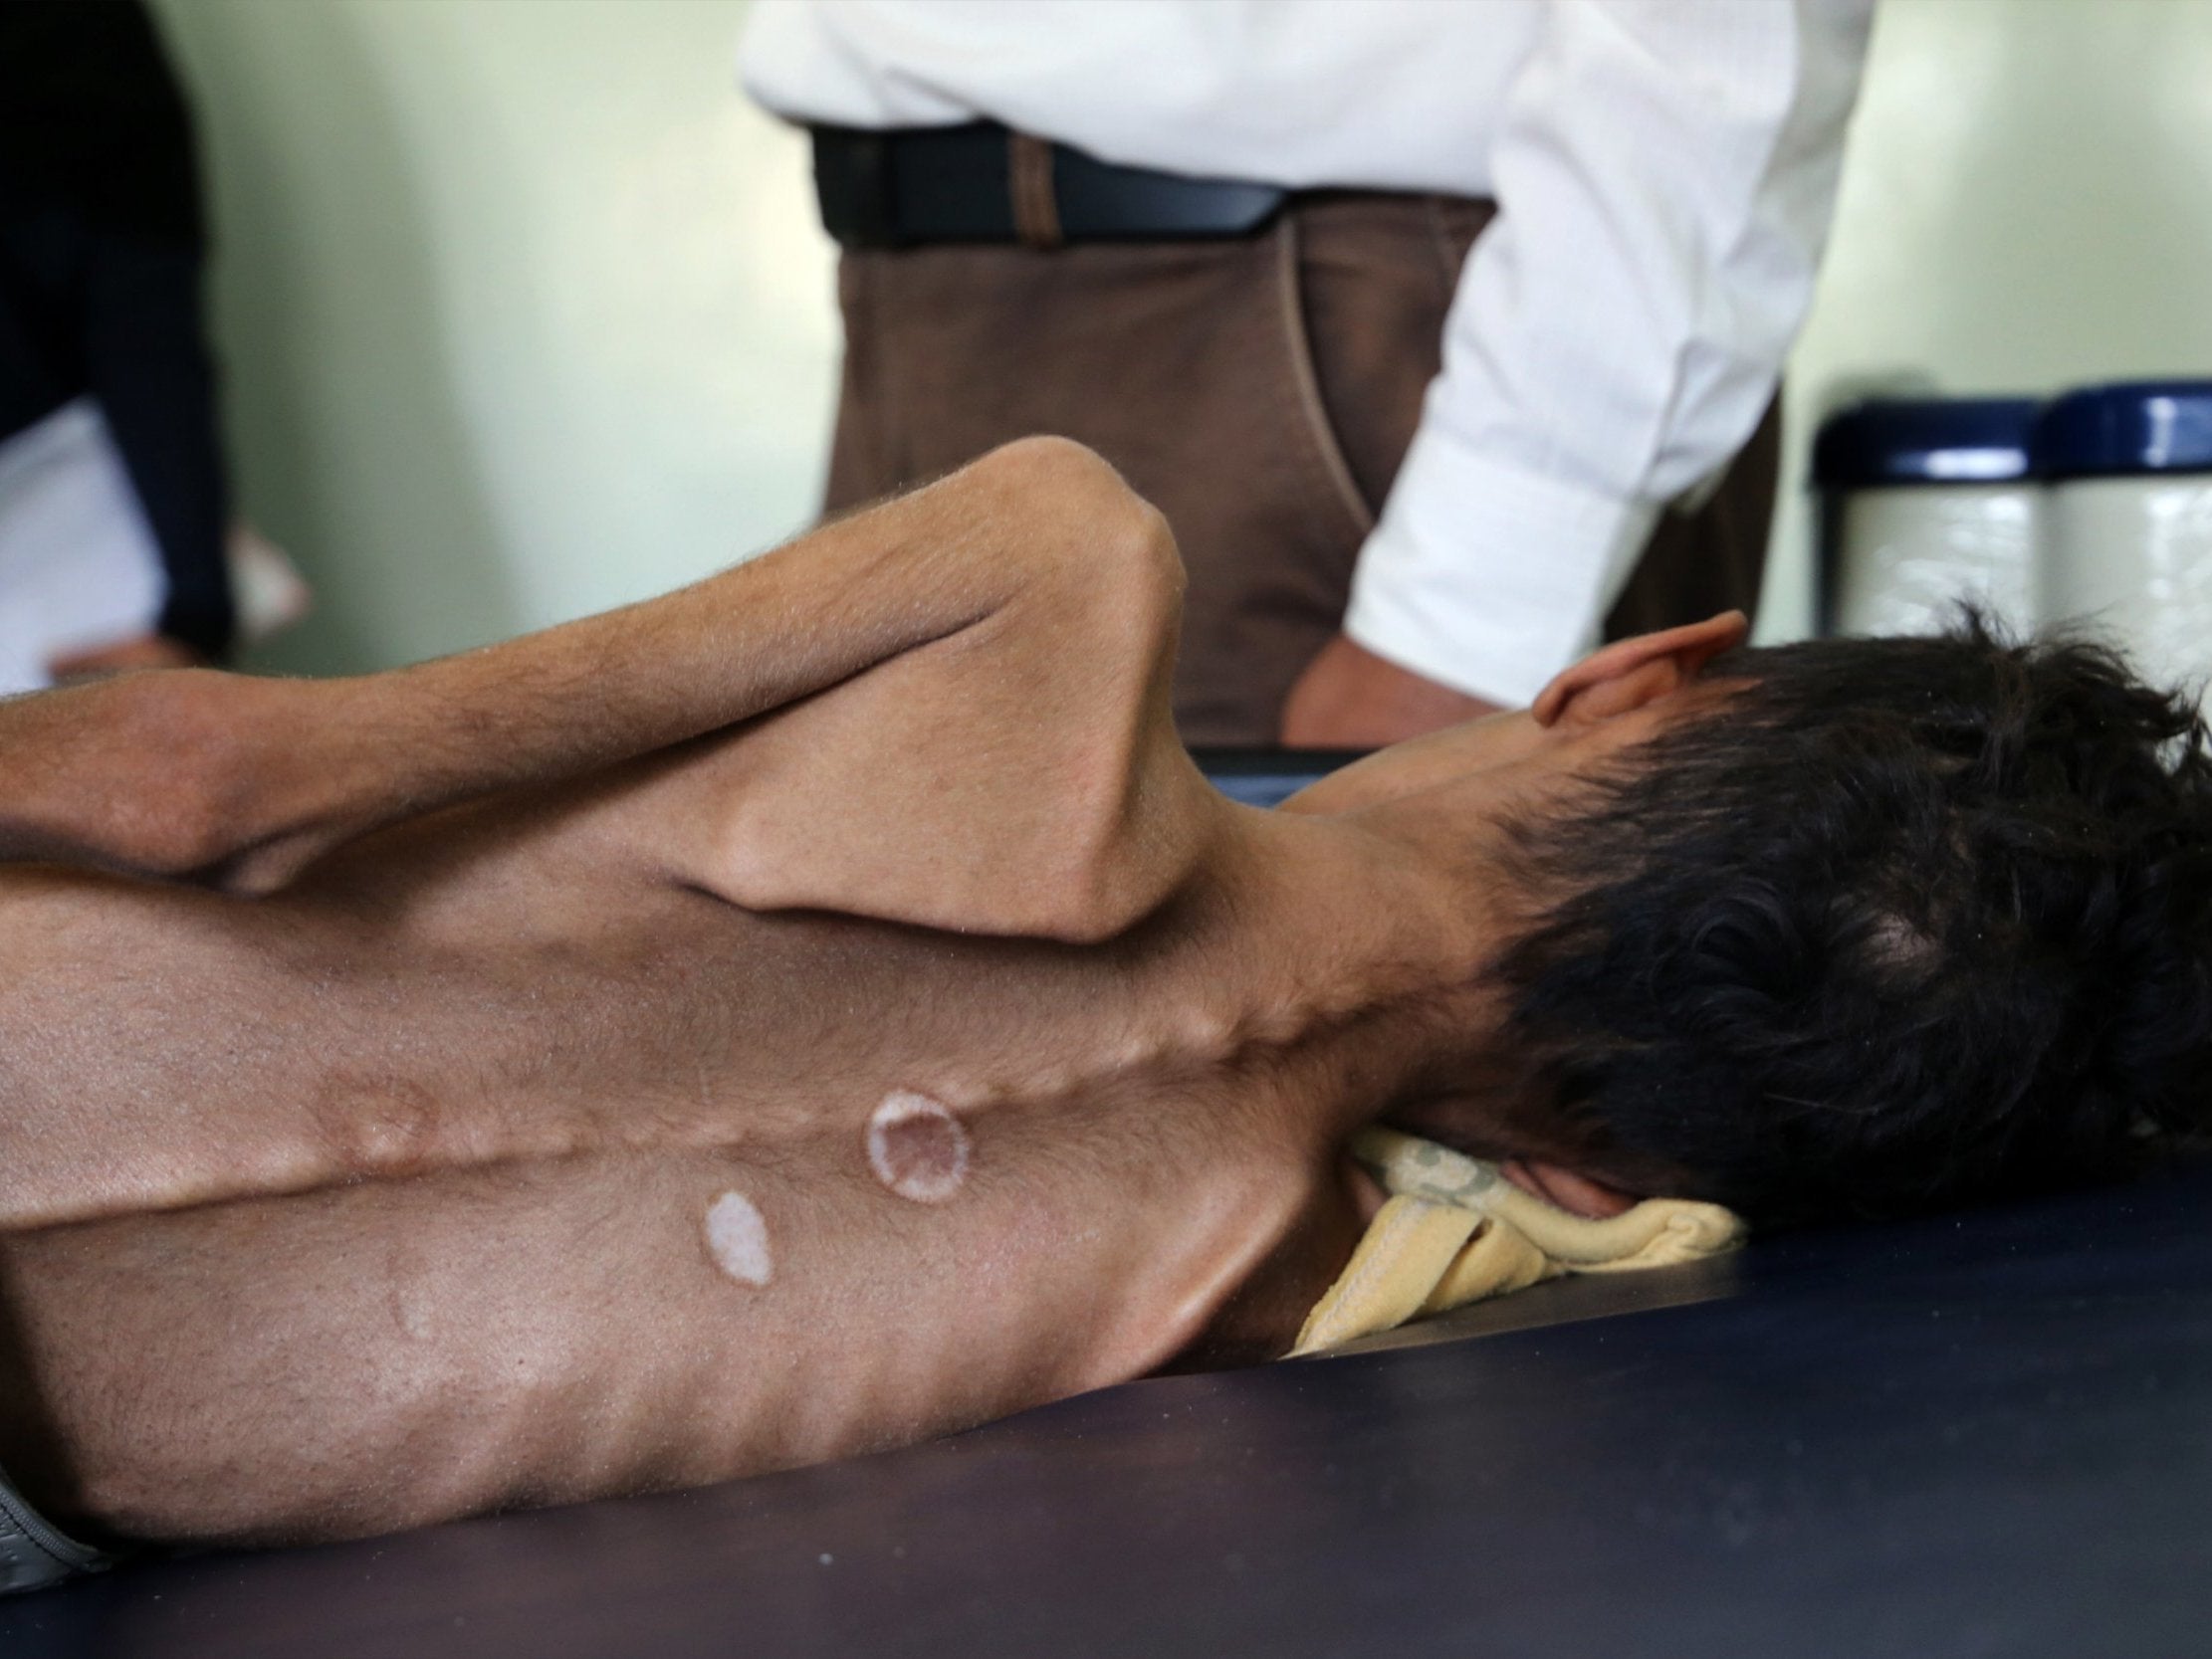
526 312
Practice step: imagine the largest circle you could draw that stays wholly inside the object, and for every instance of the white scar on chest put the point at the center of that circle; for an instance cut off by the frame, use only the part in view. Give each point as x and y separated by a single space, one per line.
738 1238
916 1147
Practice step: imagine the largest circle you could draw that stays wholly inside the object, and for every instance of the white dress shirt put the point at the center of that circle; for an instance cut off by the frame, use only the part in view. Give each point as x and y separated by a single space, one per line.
1665 172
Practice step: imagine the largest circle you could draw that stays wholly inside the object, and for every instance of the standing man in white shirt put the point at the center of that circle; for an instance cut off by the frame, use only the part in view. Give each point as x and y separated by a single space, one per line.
1446 333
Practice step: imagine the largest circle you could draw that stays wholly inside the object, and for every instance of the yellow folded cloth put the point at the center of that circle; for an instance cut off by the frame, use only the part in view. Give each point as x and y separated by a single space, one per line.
1454 1230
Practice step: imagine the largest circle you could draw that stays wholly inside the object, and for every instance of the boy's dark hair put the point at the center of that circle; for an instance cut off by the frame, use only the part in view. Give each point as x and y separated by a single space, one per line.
1899 921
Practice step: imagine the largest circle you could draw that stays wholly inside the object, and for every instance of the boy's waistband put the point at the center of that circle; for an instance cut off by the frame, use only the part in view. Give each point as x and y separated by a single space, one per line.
34 1553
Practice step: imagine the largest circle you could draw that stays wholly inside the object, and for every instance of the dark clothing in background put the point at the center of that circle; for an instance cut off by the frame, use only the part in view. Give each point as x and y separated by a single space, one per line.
101 245
1260 391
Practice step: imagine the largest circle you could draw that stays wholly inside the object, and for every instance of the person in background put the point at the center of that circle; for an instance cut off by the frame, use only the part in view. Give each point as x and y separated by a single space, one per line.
115 541
1446 336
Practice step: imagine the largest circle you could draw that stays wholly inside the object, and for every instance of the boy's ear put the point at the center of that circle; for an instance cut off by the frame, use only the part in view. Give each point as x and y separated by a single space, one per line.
1567 1189
1630 673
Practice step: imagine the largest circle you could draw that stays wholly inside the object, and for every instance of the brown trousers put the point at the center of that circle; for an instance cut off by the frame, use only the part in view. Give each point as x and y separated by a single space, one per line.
1260 393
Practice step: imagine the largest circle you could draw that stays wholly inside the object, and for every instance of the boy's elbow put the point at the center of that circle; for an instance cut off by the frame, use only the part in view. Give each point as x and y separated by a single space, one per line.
1066 497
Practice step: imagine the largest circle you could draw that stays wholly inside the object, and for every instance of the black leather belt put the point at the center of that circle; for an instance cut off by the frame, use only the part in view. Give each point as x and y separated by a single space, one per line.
985 183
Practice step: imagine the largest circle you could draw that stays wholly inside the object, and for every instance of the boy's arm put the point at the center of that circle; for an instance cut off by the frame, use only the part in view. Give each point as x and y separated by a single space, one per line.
998 644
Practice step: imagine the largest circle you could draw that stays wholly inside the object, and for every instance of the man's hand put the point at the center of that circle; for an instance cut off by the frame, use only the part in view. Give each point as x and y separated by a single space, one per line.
145 651
1349 697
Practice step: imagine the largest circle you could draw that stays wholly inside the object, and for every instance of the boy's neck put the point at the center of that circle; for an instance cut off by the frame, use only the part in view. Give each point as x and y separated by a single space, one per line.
1352 967
1346 958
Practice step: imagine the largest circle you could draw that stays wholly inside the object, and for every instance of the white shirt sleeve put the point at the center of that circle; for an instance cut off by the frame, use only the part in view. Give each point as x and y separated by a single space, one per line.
1666 171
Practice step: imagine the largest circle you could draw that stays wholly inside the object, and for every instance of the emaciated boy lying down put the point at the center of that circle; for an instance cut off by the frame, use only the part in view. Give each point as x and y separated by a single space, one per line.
825 1007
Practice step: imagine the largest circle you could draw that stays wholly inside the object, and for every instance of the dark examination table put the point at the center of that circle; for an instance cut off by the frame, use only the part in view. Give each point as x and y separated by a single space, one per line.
1989 1434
